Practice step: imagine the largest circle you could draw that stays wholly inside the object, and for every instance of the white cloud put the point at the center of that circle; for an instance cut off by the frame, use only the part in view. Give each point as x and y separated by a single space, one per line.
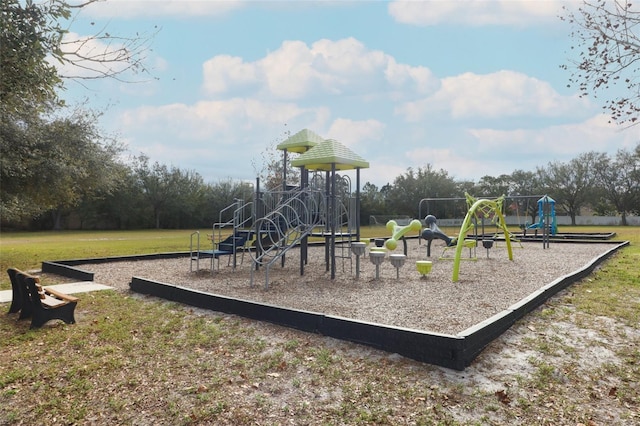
381 171
217 138
519 13
557 142
356 135
288 73
223 73
500 94
295 70
402 75
127 9
456 162
219 121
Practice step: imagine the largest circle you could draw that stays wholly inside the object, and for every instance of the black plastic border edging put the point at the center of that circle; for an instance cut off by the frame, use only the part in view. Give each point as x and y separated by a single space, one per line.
456 352
67 268
438 349
66 271
152 256
483 333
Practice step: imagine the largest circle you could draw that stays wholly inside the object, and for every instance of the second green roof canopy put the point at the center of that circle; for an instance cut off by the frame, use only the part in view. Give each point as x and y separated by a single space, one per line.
327 154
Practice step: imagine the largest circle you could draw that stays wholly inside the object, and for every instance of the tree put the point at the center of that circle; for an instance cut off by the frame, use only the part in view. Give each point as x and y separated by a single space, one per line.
103 55
178 198
371 202
525 184
492 187
222 194
270 167
53 166
572 184
408 189
121 208
74 164
27 81
620 181
608 54
157 183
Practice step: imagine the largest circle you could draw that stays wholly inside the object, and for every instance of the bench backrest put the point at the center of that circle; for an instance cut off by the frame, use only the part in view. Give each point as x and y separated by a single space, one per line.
36 295
21 299
16 289
14 272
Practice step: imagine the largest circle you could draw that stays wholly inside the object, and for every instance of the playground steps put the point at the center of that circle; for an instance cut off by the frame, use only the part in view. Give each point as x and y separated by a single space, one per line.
231 246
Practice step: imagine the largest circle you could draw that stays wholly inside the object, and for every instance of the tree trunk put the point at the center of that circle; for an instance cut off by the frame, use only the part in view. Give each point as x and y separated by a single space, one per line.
57 219
624 218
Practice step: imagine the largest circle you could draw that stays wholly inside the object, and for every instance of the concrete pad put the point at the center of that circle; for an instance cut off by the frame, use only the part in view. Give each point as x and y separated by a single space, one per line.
79 287
5 296
69 288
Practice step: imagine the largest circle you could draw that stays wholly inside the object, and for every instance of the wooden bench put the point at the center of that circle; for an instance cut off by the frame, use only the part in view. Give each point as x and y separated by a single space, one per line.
42 304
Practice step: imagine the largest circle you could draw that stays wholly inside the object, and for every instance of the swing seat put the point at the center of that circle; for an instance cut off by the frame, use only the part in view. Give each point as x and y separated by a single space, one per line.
470 244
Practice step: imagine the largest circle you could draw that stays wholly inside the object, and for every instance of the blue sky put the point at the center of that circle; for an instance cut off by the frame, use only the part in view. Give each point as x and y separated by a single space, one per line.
471 87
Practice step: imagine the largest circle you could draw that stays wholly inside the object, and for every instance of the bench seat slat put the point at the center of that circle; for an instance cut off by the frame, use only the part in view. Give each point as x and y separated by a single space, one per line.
60 295
52 301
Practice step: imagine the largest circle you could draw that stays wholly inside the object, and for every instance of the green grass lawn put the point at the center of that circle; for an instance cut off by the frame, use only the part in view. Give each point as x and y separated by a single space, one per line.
27 250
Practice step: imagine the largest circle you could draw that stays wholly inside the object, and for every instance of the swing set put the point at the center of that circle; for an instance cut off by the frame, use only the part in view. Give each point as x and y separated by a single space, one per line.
480 209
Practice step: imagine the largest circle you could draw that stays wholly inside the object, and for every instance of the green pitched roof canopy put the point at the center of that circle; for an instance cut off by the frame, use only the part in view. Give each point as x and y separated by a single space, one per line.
302 141
330 152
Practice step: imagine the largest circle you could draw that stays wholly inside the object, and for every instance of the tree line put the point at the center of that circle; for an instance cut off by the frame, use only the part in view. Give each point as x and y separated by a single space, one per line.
608 186
83 184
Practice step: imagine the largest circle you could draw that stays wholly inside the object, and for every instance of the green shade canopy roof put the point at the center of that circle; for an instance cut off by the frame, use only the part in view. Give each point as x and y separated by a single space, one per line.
302 141
327 154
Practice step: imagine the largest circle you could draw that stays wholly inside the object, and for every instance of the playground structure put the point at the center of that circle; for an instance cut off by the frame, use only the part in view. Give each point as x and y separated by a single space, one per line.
546 216
282 220
433 231
398 232
278 220
547 221
494 210
323 206
229 246
477 210
516 209
287 219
